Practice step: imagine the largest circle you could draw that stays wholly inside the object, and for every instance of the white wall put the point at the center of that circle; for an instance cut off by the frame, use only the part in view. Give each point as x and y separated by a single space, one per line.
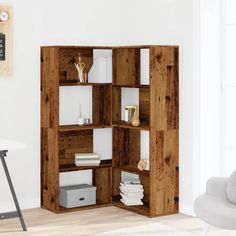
36 23
169 22
88 22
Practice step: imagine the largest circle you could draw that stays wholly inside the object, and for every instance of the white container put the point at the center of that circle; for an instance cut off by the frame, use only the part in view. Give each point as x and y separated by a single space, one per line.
77 195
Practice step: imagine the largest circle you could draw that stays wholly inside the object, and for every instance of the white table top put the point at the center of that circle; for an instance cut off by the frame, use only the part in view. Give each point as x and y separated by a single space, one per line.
10 145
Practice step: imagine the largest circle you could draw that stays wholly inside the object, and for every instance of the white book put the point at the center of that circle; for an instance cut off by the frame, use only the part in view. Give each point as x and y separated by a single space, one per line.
136 196
131 203
131 185
88 164
86 155
131 191
131 182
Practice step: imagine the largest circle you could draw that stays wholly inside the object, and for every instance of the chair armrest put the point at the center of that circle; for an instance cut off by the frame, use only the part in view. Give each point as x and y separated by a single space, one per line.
217 186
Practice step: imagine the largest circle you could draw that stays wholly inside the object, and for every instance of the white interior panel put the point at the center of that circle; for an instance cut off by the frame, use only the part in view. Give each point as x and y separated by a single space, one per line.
128 176
102 143
144 66
75 177
144 145
71 97
129 96
101 71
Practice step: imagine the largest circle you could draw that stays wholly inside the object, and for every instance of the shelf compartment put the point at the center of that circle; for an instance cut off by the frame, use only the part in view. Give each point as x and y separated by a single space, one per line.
71 142
143 209
102 179
67 57
123 124
144 107
126 66
73 167
65 128
102 104
133 170
126 147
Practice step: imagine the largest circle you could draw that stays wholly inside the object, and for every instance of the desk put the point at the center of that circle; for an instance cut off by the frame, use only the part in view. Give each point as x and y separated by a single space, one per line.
5 146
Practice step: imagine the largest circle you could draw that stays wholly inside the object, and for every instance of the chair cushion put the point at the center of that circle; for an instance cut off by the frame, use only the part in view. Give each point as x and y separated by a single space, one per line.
231 188
216 211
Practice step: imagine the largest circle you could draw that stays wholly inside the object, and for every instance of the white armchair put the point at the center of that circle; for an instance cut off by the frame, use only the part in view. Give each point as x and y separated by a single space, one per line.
214 208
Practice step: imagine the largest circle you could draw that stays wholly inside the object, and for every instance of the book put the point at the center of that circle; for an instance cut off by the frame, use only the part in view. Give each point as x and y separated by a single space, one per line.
86 155
138 203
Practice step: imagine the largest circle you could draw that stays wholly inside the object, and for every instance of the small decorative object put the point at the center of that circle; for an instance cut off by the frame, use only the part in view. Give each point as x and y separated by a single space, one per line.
4 16
80 119
132 115
143 165
87 121
80 67
127 118
85 77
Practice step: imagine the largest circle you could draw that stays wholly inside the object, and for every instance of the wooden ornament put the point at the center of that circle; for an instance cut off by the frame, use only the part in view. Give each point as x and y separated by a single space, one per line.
142 165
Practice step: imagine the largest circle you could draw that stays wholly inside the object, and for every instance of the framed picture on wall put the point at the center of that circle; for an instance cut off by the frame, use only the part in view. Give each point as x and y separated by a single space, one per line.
6 40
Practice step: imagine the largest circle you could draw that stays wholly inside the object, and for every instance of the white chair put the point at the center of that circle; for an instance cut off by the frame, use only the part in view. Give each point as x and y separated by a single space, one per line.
214 208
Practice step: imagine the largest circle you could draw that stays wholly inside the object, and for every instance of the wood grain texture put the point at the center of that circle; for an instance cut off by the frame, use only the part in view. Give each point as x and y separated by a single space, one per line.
49 129
144 105
126 66
164 152
72 142
102 179
102 105
6 66
126 147
116 104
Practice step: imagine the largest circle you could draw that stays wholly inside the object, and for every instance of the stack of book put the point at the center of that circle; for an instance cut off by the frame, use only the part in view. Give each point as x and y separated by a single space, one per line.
131 193
87 159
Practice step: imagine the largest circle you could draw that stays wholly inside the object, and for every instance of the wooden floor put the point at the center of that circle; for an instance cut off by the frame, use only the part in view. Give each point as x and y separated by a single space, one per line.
109 221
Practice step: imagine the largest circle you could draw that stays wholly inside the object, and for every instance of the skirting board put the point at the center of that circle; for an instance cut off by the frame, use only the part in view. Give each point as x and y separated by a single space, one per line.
186 209
24 204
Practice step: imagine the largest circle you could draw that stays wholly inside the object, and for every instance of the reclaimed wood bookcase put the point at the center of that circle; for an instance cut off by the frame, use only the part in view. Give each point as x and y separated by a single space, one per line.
159 114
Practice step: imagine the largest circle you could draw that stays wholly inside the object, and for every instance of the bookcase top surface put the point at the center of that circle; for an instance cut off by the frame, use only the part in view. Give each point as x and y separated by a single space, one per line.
107 47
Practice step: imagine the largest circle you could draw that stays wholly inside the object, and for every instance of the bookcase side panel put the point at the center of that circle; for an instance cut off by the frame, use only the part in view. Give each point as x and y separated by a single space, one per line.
49 129
164 125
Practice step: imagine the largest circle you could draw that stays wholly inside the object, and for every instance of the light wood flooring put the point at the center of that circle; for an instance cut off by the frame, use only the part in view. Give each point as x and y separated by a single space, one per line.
104 221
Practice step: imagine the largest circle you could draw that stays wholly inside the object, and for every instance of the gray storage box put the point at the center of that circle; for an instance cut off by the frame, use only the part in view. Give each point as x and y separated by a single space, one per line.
77 195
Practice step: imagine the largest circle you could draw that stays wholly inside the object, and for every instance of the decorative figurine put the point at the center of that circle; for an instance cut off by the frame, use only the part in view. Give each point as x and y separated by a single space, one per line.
132 115
80 119
80 67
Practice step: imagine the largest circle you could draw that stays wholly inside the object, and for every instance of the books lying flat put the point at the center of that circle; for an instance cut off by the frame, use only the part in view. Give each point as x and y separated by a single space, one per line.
132 203
86 155
131 193
87 159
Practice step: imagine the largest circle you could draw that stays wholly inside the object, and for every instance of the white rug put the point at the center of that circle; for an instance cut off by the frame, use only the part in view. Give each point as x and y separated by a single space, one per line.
160 229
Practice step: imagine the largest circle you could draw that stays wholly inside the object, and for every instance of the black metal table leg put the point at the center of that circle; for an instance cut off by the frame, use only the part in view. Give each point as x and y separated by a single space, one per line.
11 214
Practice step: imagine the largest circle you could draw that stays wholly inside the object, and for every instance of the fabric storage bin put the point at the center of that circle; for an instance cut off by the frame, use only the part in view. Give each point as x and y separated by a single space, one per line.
77 195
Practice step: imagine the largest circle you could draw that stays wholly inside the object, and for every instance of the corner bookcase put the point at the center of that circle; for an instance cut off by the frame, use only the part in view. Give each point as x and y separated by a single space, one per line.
158 111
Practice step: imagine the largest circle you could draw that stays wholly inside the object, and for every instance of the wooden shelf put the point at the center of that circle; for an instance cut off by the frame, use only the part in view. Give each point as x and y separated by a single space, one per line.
72 167
82 84
123 124
97 205
65 128
133 170
143 209
132 86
